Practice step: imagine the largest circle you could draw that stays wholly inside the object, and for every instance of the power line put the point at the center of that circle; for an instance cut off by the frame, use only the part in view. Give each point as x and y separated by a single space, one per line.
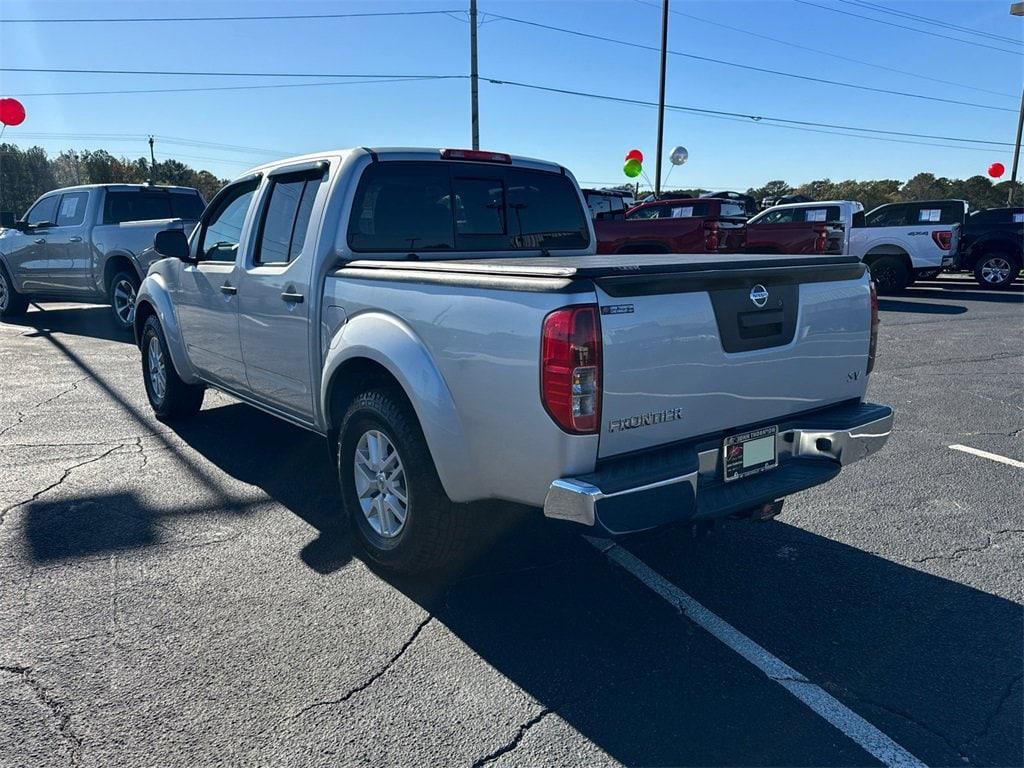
238 87
902 26
185 73
832 54
283 17
933 22
755 118
763 70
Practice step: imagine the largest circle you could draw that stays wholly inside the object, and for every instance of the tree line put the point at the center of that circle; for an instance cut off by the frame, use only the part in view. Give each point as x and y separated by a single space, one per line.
25 174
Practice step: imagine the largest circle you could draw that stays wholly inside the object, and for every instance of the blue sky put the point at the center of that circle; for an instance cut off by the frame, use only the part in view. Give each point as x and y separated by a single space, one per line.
588 136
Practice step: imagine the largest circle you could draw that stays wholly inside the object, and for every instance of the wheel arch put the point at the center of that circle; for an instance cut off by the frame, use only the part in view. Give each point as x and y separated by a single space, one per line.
374 349
154 300
116 262
889 249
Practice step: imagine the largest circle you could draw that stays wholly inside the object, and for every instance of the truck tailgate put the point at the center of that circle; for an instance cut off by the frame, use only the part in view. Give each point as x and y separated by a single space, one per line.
720 347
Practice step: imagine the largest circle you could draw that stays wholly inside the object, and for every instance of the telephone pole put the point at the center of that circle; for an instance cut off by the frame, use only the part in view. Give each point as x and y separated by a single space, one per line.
152 162
661 99
474 78
1017 9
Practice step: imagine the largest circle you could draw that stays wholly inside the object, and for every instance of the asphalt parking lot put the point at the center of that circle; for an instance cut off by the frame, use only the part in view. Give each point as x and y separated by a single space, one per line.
188 596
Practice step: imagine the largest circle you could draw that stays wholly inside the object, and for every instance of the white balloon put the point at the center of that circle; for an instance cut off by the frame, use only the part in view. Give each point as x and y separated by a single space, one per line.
679 156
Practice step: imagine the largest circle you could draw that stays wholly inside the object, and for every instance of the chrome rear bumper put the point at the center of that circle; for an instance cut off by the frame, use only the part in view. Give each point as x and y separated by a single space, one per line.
810 451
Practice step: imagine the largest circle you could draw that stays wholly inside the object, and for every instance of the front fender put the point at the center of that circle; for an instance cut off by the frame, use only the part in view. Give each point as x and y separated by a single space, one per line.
389 342
153 292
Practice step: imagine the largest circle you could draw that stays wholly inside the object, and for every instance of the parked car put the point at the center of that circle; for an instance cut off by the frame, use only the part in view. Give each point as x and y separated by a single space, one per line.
608 203
440 316
749 204
991 246
804 228
689 225
901 242
89 243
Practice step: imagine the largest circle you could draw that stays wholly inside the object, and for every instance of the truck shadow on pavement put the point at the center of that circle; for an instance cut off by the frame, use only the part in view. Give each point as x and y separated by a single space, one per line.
922 307
93 321
933 663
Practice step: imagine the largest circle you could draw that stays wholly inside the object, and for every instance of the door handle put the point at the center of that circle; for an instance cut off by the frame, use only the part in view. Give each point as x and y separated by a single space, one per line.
40 241
292 298
76 239
228 290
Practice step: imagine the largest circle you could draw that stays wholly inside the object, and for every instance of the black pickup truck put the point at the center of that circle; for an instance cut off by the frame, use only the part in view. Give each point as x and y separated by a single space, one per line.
991 245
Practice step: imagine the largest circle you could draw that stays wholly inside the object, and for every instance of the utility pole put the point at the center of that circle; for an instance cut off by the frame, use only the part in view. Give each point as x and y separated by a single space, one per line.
661 99
1016 9
1016 152
152 163
474 78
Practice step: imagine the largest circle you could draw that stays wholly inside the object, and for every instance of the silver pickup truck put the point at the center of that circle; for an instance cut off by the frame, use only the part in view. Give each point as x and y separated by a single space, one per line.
440 316
90 243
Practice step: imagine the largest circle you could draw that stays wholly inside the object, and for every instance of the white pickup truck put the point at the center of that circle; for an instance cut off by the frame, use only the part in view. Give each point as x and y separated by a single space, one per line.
900 242
441 318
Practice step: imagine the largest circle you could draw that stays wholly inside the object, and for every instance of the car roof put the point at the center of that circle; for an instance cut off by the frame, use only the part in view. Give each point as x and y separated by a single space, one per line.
396 153
125 188
817 203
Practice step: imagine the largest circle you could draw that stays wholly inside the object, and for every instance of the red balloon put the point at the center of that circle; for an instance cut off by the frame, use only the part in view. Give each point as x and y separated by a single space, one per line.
11 112
996 170
635 154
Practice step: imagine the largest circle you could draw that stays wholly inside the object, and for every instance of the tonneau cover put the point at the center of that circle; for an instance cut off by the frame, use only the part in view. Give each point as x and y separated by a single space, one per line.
613 265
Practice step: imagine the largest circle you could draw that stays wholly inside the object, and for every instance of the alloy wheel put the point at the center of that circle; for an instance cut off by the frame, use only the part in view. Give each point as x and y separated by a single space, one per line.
995 270
381 484
124 301
157 369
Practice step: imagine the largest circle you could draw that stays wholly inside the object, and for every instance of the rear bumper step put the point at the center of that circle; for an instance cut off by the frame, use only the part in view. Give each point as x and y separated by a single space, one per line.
684 482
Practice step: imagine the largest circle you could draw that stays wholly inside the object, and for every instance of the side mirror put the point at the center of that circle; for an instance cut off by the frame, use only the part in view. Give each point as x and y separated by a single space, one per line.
173 244
7 219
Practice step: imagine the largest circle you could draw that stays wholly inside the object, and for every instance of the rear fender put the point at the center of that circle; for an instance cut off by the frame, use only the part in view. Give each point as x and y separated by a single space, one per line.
387 341
153 294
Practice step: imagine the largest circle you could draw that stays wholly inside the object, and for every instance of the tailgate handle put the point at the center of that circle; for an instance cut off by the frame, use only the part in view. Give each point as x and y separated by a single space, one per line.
757 319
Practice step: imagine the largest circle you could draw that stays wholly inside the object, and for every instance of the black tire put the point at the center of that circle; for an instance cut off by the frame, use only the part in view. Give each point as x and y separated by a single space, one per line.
890 274
123 285
434 529
178 399
996 269
12 303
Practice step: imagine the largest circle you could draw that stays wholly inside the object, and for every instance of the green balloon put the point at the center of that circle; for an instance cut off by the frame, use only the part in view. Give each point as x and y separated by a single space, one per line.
632 168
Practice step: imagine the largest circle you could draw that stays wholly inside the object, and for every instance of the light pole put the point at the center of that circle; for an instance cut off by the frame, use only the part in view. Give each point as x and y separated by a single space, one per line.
661 99
474 77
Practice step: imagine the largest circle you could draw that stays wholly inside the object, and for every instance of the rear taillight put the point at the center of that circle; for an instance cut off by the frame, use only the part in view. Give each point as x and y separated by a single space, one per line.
570 368
873 345
943 239
820 238
711 239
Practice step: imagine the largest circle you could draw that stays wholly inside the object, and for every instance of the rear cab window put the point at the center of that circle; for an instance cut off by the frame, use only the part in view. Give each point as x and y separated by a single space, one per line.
71 211
453 206
122 207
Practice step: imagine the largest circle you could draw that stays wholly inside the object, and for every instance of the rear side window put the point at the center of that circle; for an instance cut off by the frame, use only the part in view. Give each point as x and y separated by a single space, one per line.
43 211
286 218
889 216
672 211
939 213
71 211
428 206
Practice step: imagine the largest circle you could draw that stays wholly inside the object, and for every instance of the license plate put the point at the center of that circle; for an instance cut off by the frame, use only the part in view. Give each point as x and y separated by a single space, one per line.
749 453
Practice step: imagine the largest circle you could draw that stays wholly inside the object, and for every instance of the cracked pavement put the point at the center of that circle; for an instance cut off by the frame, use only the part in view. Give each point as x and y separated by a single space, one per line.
189 597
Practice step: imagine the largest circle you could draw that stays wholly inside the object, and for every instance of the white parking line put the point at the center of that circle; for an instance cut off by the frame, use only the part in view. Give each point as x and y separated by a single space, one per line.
987 455
822 703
